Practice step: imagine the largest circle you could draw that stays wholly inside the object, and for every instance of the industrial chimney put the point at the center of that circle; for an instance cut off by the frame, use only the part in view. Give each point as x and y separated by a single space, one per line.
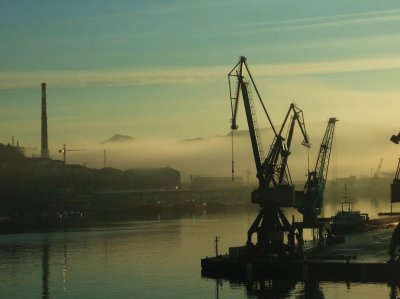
45 146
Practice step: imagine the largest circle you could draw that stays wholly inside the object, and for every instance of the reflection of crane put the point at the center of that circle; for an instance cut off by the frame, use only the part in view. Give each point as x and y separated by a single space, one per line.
309 202
275 185
64 151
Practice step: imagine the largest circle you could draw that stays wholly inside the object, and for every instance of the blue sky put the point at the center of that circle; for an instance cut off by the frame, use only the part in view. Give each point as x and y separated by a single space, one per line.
157 69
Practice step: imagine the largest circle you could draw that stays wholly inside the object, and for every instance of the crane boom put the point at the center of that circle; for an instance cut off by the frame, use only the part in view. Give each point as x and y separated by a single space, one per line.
244 87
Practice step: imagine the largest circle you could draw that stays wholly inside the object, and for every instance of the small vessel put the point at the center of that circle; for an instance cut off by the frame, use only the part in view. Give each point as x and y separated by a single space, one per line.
347 220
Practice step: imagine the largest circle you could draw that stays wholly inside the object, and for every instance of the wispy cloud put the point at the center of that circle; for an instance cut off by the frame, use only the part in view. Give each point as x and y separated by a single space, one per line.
188 75
80 78
342 66
324 21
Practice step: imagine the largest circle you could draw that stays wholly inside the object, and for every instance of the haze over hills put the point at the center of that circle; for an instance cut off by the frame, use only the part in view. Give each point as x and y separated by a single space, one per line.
118 138
357 150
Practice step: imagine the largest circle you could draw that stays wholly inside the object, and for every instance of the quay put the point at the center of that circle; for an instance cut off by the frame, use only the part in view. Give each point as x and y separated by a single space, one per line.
316 269
362 258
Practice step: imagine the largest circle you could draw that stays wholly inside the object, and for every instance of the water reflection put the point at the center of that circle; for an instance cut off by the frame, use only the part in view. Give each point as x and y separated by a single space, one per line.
45 271
271 288
147 258
65 266
58 264
278 288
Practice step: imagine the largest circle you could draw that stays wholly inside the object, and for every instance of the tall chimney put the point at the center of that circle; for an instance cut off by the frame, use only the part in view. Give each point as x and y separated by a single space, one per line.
45 146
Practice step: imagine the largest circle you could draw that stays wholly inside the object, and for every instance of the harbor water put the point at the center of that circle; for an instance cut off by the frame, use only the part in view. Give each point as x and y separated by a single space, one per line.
153 258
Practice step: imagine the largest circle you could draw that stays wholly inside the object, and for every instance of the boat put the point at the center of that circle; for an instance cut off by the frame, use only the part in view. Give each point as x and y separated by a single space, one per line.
348 220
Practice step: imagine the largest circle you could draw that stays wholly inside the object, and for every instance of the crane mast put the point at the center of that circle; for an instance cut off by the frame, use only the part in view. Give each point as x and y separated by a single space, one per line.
275 185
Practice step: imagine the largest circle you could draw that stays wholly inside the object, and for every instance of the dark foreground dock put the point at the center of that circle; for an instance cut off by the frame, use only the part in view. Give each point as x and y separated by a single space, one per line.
330 270
362 258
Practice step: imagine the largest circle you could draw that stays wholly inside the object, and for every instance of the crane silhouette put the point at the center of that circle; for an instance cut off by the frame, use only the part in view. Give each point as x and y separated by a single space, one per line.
64 151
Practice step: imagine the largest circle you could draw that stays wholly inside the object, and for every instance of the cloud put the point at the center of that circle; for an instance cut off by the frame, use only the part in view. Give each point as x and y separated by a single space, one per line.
81 78
342 66
325 21
188 75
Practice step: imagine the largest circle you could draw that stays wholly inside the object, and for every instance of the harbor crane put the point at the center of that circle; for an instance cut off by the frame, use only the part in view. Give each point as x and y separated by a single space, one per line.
64 151
275 189
395 186
309 201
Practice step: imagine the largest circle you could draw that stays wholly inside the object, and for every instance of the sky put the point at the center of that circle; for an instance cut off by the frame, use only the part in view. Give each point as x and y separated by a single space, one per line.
157 71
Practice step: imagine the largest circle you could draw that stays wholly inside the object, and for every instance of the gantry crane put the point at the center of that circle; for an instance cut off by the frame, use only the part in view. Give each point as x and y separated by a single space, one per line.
275 188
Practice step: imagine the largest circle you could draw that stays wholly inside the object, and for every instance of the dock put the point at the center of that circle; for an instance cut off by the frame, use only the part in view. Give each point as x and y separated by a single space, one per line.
328 270
362 258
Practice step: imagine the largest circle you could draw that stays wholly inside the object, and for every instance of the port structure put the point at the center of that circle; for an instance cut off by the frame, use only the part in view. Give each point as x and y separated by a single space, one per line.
309 201
275 188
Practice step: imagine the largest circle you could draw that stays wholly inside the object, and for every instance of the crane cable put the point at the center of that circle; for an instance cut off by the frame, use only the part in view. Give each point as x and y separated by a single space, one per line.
233 160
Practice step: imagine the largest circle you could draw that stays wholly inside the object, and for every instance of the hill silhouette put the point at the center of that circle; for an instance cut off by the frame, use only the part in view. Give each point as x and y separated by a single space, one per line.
118 138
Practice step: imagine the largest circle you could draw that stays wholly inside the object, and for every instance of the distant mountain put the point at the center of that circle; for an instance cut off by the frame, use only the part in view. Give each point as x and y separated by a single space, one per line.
118 138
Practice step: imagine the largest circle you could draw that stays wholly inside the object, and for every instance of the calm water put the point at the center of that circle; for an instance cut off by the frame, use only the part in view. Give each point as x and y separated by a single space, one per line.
145 259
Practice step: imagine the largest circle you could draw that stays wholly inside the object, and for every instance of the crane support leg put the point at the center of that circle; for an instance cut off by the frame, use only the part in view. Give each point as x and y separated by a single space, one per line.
270 226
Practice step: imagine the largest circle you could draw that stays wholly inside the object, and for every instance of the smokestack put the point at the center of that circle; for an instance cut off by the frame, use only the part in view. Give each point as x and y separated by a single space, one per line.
45 146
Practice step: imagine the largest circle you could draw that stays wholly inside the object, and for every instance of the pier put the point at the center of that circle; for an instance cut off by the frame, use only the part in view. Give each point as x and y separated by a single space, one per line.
324 269
362 258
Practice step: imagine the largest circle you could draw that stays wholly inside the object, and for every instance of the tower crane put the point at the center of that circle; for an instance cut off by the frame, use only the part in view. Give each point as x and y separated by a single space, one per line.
309 201
64 151
275 188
